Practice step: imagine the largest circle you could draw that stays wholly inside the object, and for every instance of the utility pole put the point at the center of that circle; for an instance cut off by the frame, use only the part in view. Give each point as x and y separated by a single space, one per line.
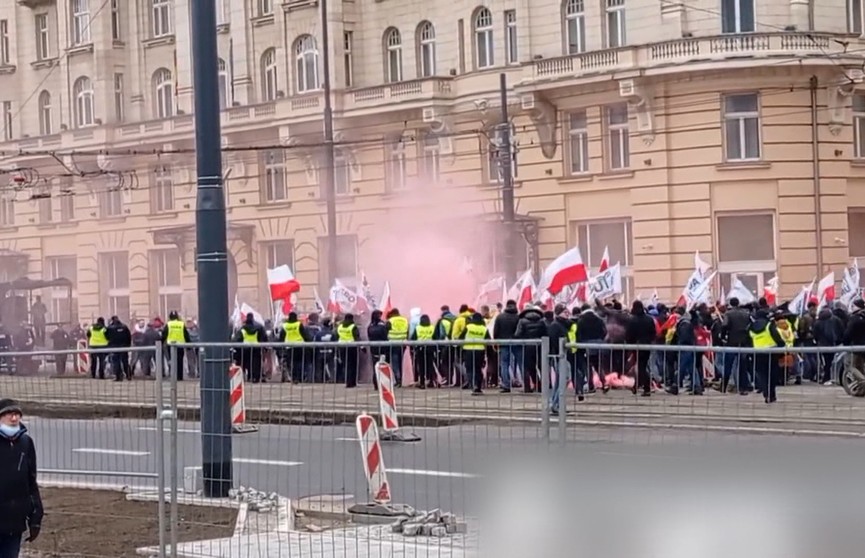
212 256
506 167
329 178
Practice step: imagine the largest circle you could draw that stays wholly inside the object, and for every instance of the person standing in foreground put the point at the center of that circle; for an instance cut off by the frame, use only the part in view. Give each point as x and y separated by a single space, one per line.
20 502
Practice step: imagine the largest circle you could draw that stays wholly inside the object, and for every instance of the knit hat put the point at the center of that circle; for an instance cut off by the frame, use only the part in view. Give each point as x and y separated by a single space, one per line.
8 406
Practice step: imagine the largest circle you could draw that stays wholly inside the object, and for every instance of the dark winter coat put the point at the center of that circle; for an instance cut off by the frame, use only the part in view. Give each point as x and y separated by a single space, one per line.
640 330
736 323
558 331
531 325
119 336
591 328
505 326
828 329
20 502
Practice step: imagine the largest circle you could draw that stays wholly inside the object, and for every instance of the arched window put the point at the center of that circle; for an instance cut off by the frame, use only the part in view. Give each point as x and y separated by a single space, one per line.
269 79
483 27
306 63
163 94
45 113
575 26
393 55
82 91
426 38
224 85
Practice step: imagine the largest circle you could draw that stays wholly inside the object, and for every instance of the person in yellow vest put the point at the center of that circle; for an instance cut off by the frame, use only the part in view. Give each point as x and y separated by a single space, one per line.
347 361
787 361
249 355
175 332
764 335
457 331
446 355
97 338
492 379
424 358
576 359
397 333
293 332
474 353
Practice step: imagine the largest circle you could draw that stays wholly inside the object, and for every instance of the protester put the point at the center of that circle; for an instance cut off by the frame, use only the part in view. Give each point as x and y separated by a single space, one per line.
20 501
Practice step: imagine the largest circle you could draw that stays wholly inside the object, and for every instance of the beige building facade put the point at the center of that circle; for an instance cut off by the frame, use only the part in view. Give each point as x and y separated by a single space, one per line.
733 128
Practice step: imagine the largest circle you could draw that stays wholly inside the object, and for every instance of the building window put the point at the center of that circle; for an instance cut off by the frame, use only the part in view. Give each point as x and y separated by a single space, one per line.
578 142
111 203
342 173
224 85
393 55
347 44
80 22
67 199
62 308
46 208
163 94
484 48
166 282
274 175
82 91
5 54
306 60
346 259
397 175
575 26
854 16
431 157
746 249
859 126
594 237
426 37
496 153
7 211
7 120
43 37
265 7
162 190
742 127
161 15
856 234
511 40
616 23
222 15
45 113
737 16
114 284
269 77
116 31
118 98
618 134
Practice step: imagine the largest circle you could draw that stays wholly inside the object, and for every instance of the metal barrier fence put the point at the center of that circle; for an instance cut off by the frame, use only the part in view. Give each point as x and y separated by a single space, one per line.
280 426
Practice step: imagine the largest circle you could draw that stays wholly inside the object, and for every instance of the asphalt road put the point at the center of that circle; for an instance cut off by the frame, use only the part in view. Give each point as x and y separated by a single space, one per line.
756 487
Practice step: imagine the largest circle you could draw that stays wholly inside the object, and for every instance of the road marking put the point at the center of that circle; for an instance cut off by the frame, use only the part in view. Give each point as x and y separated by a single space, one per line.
423 473
346 439
111 452
249 461
168 430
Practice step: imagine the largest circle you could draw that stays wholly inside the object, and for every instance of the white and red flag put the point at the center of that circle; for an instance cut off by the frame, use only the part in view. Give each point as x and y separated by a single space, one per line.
386 304
770 291
826 290
567 269
282 286
525 290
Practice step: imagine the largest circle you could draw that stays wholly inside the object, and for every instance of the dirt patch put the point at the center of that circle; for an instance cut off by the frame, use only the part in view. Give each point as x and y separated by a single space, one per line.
91 523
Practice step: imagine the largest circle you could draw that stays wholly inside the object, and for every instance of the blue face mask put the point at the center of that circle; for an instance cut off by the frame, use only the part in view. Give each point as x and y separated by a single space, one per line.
10 431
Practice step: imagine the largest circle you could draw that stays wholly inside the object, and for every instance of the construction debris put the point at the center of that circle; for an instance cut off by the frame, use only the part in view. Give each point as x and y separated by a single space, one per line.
256 500
429 524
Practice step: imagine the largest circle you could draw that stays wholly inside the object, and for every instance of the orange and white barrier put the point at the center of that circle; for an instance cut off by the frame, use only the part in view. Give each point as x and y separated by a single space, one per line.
373 463
236 398
387 397
82 358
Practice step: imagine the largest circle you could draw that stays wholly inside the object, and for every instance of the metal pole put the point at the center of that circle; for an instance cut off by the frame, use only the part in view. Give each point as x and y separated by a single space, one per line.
212 258
563 375
329 178
160 446
545 388
818 190
506 166
172 450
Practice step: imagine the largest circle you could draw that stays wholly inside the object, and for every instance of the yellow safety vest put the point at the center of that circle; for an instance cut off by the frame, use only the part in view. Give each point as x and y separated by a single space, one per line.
292 332
572 336
424 333
447 325
175 332
459 325
475 332
398 329
787 336
763 339
98 337
346 333
249 338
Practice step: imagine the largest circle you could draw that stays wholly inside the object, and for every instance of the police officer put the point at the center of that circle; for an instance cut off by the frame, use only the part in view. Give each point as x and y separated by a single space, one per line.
574 356
97 338
173 333
764 335
474 353
293 332
346 367
397 332
249 356
424 357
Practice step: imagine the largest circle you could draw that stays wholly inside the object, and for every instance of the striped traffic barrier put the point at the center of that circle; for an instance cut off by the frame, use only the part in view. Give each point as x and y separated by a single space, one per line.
82 358
238 406
387 404
373 463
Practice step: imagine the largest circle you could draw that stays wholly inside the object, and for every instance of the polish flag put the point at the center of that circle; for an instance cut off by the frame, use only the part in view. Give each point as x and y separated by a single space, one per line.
361 303
799 305
386 306
282 286
770 291
700 265
579 297
826 289
605 260
332 301
525 290
567 269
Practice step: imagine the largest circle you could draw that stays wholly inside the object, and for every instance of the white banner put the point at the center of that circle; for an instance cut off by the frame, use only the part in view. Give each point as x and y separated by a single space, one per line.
741 292
606 283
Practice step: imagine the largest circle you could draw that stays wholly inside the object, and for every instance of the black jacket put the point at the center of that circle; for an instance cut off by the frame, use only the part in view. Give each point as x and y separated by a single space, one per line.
640 330
685 335
591 328
377 331
505 326
531 325
828 329
119 335
20 502
855 334
557 331
736 323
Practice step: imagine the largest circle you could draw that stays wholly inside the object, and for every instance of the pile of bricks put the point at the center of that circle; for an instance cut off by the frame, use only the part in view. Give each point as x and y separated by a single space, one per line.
429 524
255 500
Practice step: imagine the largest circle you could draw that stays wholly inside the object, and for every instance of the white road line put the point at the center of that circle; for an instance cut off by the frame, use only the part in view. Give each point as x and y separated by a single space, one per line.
267 462
423 473
99 451
168 430
346 439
